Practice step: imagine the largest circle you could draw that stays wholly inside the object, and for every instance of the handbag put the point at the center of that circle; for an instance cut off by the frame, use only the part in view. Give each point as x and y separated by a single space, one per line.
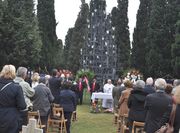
168 128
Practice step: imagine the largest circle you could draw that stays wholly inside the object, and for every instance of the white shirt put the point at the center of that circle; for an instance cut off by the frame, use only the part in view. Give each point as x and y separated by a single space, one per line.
108 88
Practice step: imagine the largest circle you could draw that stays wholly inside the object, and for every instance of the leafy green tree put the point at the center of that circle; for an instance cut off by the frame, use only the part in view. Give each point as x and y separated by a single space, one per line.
139 35
120 22
47 26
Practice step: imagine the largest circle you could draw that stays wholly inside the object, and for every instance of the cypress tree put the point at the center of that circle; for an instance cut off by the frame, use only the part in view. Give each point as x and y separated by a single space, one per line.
3 54
47 26
176 46
120 22
77 38
156 42
160 38
20 39
68 43
139 35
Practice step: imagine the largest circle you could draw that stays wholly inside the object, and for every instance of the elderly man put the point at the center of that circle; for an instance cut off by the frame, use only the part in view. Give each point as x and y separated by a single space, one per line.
149 88
27 91
158 106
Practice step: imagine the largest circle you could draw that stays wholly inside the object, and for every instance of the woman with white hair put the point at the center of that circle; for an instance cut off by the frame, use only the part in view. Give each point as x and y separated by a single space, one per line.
11 101
136 104
158 106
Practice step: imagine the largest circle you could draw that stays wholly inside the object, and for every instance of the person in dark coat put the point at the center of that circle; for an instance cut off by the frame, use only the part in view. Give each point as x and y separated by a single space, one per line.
55 85
95 87
149 88
42 100
11 101
136 101
67 100
177 114
116 93
158 106
81 86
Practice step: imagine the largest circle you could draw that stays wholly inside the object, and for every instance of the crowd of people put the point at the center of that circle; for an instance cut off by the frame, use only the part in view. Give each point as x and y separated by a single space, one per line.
18 96
151 102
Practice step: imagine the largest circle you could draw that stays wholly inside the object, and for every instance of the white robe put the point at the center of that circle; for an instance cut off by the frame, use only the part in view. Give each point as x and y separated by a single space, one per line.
107 103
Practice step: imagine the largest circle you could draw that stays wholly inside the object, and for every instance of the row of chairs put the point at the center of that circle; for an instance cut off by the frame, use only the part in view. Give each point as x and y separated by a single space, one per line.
122 122
56 121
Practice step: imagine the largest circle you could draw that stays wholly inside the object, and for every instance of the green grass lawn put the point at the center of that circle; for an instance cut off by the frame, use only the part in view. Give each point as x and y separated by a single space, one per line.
92 122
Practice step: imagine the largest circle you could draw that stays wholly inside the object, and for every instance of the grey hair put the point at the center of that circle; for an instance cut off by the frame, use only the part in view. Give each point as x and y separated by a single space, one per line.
176 82
21 72
140 84
149 81
160 83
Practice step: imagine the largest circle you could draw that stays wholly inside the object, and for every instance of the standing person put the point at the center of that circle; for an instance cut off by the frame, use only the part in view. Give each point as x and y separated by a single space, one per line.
116 93
35 79
177 114
136 101
55 85
67 100
80 90
42 100
11 101
27 91
123 107
108 103
176 83
158 106
95 87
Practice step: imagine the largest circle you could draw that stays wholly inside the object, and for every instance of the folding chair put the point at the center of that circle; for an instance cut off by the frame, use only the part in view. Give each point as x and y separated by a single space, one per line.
116 116
137 127
74 116
57 123
122 124
36 115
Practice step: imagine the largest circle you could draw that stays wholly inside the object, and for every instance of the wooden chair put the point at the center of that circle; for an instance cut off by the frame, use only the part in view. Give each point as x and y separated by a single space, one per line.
137 125
122 124
36 115
74 116
116 116
56 105
57 122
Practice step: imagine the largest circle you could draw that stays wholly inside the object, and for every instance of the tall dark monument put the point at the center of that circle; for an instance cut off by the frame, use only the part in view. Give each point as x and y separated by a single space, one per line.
99 52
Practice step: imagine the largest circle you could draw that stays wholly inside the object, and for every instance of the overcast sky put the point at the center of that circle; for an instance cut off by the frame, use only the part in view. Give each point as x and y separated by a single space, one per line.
66 12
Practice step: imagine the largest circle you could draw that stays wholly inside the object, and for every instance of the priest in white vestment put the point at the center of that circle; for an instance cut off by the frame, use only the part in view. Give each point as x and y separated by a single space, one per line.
108 87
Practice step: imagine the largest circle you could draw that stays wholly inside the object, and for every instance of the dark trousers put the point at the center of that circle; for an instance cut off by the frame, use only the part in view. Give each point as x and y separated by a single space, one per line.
44 120
23 119
80 97
67 116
